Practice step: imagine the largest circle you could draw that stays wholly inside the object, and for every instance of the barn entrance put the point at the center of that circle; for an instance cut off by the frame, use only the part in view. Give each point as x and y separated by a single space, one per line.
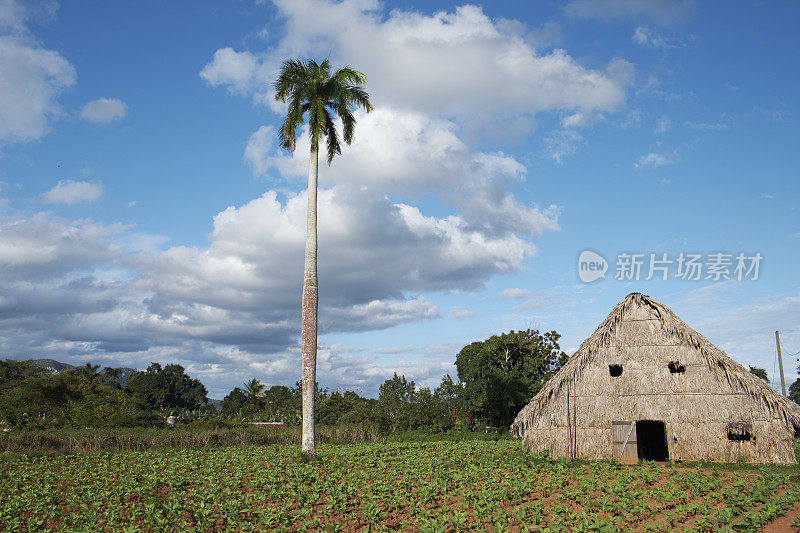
635 440
651 440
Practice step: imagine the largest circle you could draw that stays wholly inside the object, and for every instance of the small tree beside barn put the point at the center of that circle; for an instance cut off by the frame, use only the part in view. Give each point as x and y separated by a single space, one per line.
645 385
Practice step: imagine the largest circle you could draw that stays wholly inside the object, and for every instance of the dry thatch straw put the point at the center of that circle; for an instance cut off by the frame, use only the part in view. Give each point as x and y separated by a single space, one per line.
712 408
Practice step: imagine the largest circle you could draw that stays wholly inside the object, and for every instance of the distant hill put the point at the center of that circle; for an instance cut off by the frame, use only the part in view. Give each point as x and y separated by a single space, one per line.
52 366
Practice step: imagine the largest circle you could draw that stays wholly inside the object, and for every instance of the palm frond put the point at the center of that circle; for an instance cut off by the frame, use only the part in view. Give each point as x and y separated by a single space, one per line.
312 89
349 76
292 75
348 123
294 118
332 137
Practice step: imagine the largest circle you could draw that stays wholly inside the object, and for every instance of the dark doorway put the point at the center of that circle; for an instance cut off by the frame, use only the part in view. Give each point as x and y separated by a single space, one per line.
651 440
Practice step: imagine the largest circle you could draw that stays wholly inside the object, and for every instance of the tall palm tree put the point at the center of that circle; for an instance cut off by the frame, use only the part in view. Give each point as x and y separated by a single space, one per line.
311 89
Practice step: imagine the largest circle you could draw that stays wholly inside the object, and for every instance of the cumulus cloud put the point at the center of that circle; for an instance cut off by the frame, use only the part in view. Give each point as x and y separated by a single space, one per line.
662 12
236 70
256 153
31 78
256 250
71 192
42 246
439 62
104 110
232 306
408 153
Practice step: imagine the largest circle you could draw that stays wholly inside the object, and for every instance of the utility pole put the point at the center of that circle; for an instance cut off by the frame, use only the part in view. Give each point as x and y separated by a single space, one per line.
780 361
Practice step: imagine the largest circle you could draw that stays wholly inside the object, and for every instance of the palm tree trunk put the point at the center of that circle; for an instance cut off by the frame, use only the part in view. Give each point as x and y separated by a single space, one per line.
308 324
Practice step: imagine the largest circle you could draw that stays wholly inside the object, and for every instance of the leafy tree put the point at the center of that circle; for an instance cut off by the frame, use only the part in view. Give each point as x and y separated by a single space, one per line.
363 411
794 389
168 387
451 394
333 408
428 412
67 399
502 373
394 398
760 372
234 403
13 372
311 89
282 403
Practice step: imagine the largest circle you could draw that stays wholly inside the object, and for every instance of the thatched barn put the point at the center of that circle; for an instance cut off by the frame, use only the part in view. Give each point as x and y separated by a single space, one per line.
647 386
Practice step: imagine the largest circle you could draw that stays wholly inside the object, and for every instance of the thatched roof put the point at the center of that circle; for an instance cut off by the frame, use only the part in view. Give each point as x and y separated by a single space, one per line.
717 361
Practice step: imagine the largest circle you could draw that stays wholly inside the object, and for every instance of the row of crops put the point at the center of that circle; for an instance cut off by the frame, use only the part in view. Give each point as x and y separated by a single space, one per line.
435 487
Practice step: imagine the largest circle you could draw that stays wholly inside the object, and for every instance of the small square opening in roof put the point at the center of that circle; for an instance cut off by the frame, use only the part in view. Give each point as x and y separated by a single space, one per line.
676 368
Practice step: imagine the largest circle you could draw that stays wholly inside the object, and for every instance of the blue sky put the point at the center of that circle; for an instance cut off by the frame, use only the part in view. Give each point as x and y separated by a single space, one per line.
147 213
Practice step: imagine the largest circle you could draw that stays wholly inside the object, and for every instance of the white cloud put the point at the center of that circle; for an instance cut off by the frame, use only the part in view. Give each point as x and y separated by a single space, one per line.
516 294
663 124
548 34
632 120
233 304
71 192
702 126
580 119
663 12
236 70
398 152
256 153
43 246
531 300
649 38
12 17
439 62
561 143
31 79
104 110
379 314
460 312
257 249
654 160
747 331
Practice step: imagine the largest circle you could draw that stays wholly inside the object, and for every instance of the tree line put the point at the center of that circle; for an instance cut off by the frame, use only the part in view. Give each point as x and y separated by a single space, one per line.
496 377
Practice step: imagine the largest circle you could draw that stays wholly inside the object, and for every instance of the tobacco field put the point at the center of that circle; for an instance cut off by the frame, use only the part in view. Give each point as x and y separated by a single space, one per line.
427 487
